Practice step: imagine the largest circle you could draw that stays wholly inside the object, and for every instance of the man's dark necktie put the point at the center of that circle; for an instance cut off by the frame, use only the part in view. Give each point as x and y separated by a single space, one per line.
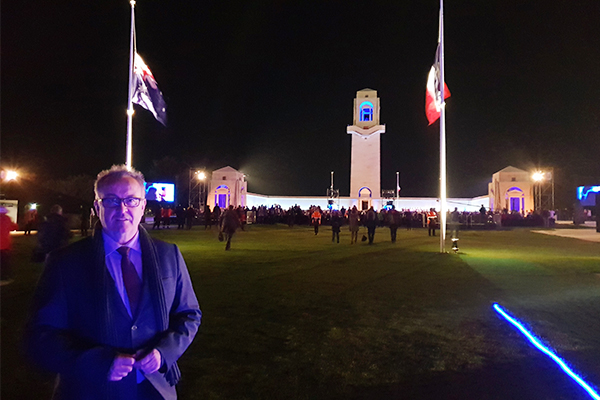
131 280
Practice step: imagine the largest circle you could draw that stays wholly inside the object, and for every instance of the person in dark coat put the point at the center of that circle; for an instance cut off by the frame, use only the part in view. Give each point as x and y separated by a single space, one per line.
85 220
241 211
482 215
113 313
371 221
180 215
157 212
31 219
216 215
190 215
207 217
53 232
336 223
394 219
229 224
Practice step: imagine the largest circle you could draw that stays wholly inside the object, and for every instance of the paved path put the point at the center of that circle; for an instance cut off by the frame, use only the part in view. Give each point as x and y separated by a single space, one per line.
588 232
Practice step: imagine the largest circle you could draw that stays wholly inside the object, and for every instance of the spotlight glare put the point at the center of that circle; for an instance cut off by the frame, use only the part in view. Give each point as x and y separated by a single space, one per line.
11 175
538 176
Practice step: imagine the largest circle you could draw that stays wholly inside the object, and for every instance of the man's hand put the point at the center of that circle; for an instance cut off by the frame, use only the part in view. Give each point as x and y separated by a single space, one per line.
121 367
150 363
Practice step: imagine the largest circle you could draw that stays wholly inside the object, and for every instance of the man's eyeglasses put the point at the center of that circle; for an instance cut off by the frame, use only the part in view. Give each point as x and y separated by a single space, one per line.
114 202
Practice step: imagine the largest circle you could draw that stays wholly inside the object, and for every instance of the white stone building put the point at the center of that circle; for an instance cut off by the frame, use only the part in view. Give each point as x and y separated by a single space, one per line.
511 189
365 162
511 186
227 187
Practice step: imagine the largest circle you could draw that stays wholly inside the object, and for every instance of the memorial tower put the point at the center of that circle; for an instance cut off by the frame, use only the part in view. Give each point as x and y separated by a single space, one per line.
365 164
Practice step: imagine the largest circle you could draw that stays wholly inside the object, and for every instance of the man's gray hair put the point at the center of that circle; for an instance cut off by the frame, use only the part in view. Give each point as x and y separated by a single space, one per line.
115 173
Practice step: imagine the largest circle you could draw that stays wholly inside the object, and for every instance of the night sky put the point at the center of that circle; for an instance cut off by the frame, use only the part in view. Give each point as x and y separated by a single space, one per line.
267 87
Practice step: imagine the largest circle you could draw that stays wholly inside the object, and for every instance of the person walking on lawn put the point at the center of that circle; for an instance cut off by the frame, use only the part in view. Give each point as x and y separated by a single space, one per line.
354 224
229 224
371 223
316 219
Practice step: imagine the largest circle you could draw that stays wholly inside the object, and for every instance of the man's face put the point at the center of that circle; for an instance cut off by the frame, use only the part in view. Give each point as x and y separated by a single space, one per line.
121 223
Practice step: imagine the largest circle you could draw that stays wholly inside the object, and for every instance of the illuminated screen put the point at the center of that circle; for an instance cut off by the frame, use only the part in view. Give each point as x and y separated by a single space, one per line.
587 195
160 191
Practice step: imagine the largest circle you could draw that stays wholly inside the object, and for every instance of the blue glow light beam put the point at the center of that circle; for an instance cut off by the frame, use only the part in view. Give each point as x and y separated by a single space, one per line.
537 343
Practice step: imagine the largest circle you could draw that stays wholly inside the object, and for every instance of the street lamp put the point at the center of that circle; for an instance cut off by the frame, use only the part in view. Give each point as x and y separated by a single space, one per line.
6 176
201 176
537 177
540 178
193 179
11 175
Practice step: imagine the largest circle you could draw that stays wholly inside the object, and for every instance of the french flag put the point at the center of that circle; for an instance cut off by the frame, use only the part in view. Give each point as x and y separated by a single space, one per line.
433 95
146 92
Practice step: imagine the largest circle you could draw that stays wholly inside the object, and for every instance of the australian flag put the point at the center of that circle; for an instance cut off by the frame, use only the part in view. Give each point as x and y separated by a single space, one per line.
146 92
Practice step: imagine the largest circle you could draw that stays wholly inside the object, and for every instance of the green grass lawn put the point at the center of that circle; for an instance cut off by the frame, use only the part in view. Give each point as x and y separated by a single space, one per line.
291 315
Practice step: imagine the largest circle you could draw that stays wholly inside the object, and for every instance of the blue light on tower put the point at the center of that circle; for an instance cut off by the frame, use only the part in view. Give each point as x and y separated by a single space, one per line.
366 111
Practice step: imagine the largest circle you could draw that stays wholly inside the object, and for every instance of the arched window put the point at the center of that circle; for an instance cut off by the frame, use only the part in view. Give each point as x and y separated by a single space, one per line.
366 111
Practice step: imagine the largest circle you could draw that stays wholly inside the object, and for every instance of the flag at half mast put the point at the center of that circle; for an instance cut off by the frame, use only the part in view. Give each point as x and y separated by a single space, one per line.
146 92
433 94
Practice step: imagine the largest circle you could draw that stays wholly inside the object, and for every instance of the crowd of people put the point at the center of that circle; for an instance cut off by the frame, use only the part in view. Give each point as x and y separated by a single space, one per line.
336 219
232 218
164 215
54 233
405 218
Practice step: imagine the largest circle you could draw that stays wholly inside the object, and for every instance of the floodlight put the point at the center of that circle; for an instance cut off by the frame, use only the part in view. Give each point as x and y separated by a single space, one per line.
11 175
538 176
455 244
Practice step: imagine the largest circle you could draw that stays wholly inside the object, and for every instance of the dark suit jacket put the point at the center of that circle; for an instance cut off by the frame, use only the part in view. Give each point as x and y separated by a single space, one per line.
79 322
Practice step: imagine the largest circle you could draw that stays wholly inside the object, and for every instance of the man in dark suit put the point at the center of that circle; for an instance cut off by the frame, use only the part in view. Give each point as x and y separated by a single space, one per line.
112 313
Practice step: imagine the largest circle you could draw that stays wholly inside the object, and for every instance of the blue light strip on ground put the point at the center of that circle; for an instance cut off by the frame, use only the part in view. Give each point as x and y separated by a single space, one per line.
548 352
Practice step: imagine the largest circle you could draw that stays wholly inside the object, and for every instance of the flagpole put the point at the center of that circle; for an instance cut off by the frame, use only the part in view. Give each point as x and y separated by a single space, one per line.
443 210
129 150
397 187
